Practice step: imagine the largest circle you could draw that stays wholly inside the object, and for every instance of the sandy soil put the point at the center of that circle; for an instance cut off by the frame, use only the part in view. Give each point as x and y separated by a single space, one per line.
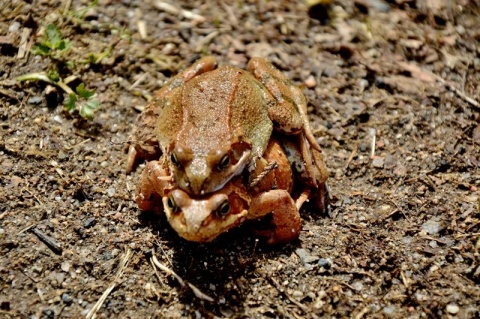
397 79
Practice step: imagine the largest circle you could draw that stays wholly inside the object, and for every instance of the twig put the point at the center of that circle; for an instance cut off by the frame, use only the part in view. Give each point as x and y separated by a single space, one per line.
31 278
372 133
49 241
435 239
25 229
142 28
457 91
271 166
155 270
404 279
169 8
197 292
206 40
121 267
352 155
362 313
22 49
164 253
167 270
138 81
341 282
467 235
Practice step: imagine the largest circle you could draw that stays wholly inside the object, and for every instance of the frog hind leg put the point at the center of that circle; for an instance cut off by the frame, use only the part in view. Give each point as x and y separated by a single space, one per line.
309 169
290 110
143 143
283 224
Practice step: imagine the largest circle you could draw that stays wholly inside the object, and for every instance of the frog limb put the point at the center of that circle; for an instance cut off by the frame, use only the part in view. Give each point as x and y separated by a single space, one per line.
285 224
154 183
290 111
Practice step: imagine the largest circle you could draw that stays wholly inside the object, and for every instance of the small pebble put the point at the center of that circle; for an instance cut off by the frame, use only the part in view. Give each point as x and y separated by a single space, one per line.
325 263
310 82
432 227
67 298
47 314
297 294
61 155
453 309
90 222
35 100
389 310
14 27
58 119
378 162
305 256
111 191
65 266
37 269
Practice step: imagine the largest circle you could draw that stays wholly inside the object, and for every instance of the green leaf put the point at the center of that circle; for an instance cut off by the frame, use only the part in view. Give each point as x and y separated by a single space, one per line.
70 102
64 45
53 75
84 92
70 64
54 36
40 49
88 108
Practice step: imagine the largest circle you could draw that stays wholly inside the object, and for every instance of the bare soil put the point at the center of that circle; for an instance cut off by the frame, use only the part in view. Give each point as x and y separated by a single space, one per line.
393 90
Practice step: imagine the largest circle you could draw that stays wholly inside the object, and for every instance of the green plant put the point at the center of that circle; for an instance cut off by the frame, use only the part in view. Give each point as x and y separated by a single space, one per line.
53 45
87 107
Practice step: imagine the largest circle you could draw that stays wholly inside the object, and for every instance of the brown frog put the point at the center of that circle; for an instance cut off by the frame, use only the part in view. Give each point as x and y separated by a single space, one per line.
208 124
203 218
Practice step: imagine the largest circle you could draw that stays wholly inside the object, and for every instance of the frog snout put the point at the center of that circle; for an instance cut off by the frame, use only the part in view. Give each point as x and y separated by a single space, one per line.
197 176
196 184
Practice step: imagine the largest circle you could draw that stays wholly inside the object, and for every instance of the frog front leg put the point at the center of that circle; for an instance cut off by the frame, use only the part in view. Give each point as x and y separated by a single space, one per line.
289 113
154 183
284 224
143 142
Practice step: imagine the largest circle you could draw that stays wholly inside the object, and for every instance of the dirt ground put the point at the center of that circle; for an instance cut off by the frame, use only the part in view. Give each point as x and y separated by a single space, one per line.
393 90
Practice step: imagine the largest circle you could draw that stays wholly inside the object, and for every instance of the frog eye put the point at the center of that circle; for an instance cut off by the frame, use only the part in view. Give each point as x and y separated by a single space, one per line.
174 159
224 162
172 205
223 209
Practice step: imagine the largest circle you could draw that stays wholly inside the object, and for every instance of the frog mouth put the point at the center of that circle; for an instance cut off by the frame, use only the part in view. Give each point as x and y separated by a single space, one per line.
201 219
204 180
